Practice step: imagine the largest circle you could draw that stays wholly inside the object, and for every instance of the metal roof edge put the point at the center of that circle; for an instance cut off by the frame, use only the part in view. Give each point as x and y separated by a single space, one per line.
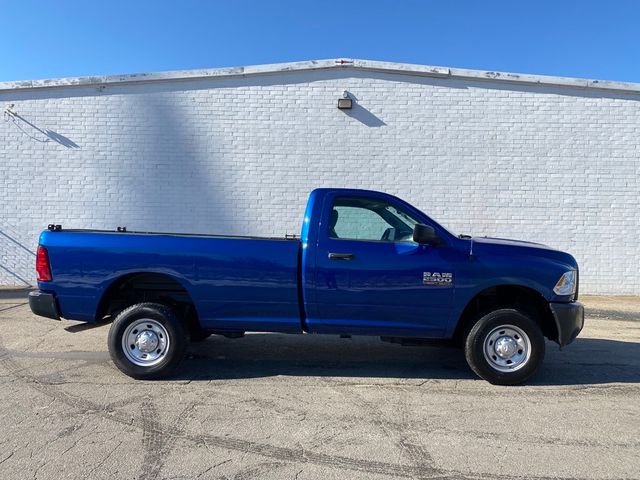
367 65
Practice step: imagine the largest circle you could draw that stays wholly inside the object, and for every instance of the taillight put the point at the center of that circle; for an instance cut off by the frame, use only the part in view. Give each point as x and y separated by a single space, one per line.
43 268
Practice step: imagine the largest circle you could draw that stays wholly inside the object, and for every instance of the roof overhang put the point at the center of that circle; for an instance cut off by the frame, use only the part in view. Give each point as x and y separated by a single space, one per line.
341 63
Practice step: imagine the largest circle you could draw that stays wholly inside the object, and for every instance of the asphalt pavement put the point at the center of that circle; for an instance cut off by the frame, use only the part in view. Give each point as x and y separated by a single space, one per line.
309 407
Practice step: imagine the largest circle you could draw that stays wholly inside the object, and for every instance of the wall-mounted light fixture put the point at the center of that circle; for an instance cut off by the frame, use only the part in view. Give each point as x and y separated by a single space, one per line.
345 103
9 112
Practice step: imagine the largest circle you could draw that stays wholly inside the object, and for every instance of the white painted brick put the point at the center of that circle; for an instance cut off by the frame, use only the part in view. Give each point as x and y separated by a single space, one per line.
554 164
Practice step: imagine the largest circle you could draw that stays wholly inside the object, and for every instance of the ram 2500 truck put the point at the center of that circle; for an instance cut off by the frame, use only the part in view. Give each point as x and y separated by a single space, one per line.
366 263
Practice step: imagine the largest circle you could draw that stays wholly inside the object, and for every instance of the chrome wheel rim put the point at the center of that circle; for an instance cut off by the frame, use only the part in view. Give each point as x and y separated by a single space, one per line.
145 342
507 348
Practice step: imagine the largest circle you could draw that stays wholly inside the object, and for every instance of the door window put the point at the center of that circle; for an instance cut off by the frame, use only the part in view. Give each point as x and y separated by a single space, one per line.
359 218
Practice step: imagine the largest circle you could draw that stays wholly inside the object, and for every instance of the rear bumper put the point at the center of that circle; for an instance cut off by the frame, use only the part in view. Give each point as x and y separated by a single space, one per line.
569 320
44 304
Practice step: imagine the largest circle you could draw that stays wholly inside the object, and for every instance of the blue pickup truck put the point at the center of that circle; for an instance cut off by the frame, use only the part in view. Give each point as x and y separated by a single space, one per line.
366 263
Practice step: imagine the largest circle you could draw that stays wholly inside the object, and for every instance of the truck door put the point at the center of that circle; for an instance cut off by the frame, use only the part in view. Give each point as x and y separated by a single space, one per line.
371 278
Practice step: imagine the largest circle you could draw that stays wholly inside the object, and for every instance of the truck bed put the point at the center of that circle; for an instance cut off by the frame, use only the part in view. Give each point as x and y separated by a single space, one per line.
231 279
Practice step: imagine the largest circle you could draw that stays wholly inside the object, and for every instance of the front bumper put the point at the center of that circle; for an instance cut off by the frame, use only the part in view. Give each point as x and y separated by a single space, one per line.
569 319
44 304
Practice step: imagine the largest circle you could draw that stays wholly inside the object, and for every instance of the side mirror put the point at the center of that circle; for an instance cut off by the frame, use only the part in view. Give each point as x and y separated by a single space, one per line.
425 235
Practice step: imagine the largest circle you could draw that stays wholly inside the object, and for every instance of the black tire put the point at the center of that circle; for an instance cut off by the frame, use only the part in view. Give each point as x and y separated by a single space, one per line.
162 323
489 363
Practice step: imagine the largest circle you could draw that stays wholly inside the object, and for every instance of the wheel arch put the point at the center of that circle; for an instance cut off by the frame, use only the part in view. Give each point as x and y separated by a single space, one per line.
147 286
524 298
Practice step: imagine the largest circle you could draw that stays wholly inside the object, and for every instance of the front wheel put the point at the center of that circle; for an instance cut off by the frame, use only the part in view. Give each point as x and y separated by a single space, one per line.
147 341
505 347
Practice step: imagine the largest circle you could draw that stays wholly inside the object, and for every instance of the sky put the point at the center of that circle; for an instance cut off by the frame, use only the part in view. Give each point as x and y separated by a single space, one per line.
50 39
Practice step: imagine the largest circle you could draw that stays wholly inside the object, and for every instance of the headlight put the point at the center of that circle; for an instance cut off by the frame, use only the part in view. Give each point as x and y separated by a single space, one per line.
567 284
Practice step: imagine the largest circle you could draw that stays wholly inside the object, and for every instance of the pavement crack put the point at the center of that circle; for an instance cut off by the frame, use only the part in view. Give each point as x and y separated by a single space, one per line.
106 457
7 457
212 467
13 306
75 443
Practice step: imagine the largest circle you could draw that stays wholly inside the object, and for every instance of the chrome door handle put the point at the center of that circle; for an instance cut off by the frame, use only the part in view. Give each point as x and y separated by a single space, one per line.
340 256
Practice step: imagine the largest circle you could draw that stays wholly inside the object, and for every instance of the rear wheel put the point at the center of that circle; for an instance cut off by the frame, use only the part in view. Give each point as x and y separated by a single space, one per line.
505 347
147 341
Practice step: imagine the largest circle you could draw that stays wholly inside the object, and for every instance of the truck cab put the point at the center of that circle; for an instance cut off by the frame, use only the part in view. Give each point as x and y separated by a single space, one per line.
365 273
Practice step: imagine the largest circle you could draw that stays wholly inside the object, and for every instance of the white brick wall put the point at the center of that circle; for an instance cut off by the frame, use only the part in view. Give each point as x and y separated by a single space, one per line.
558 165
